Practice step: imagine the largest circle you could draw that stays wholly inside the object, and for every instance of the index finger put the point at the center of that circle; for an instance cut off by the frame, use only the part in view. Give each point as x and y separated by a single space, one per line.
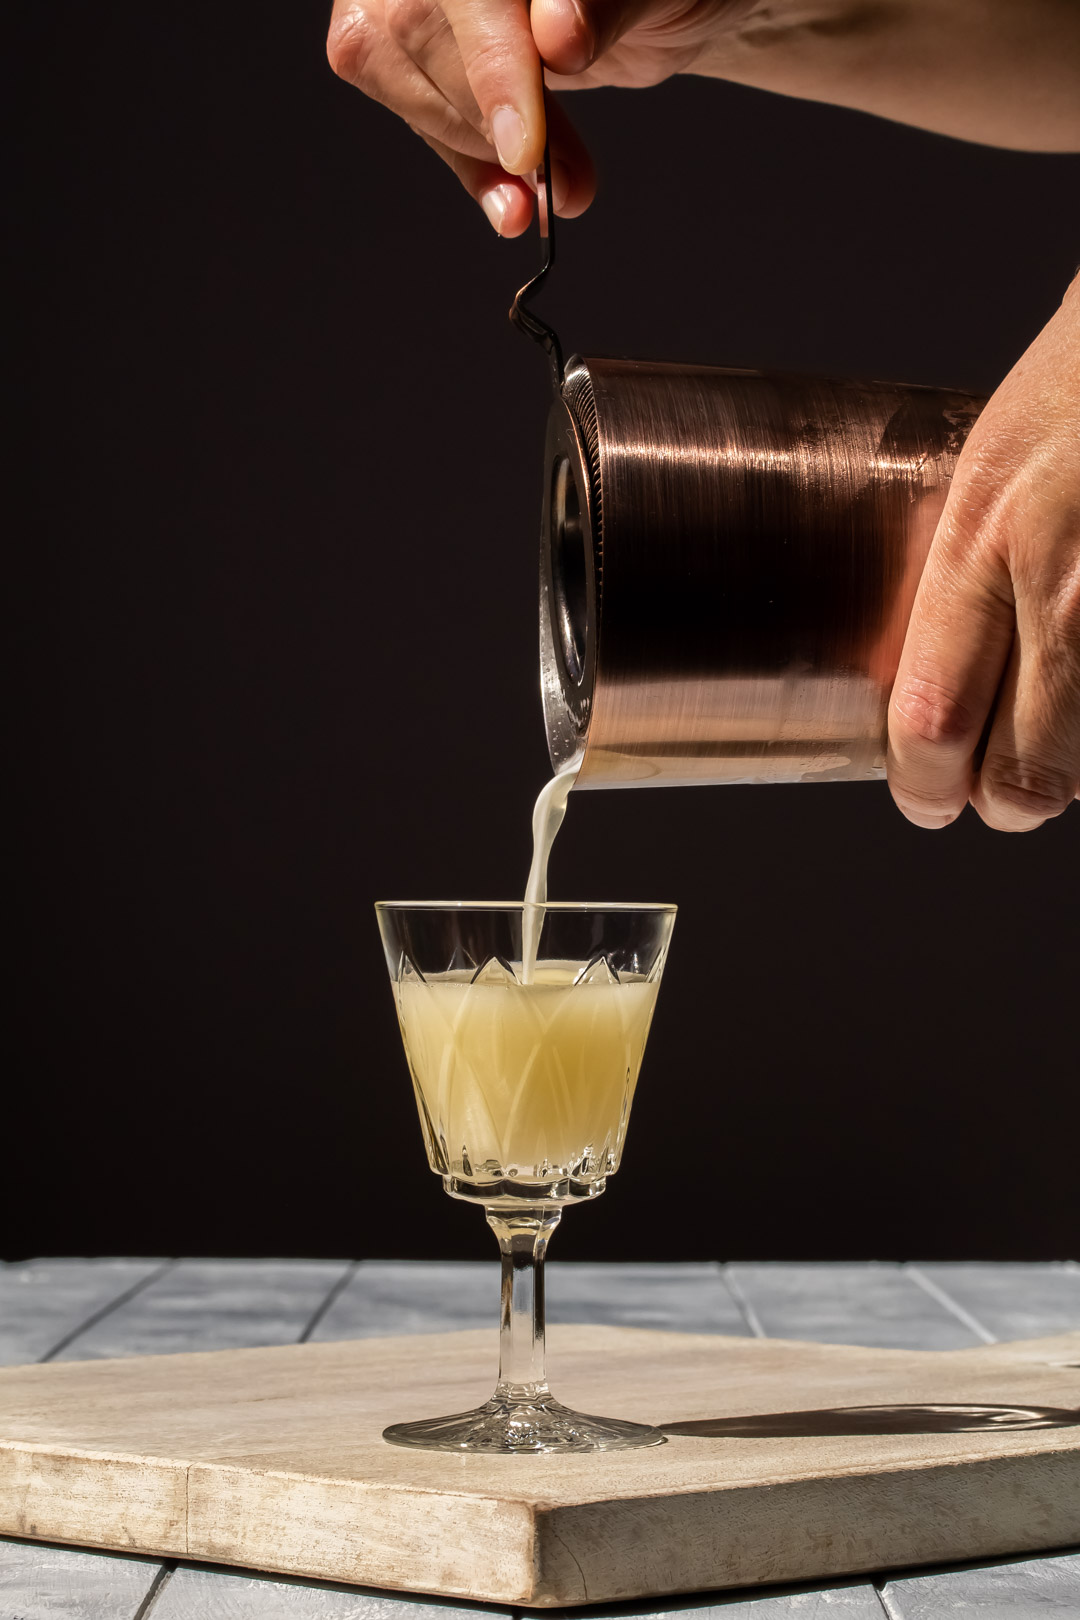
954 656
504 72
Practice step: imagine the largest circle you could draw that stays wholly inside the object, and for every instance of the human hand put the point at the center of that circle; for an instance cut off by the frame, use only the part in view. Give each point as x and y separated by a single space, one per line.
997 615
468 77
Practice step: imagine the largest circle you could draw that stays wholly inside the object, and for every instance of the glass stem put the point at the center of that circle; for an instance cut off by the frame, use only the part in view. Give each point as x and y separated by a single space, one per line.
523 1238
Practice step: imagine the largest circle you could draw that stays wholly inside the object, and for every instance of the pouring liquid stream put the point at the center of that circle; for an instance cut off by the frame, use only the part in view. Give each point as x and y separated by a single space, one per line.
548 813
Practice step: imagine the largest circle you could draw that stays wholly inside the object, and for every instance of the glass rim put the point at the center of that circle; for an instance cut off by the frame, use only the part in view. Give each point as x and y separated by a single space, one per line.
519 905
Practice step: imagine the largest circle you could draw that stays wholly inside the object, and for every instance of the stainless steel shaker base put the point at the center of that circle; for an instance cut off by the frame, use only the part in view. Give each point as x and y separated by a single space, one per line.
729 561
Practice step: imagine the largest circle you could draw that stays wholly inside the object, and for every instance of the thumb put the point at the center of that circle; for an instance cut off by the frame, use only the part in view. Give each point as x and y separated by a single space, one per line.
571 34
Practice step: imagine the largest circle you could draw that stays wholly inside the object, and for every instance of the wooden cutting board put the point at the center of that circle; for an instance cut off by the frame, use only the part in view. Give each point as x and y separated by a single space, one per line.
273 1459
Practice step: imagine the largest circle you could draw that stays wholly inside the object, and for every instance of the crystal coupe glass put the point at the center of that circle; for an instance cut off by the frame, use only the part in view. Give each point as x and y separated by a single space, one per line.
524 1072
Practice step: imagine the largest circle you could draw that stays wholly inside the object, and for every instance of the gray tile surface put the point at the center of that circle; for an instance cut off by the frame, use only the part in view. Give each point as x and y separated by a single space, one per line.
193 1592
213 1305
64 1583
871 1304
859 1601
1029 1589
683 1298
1012 1301
43 1301
208 1304
385 1297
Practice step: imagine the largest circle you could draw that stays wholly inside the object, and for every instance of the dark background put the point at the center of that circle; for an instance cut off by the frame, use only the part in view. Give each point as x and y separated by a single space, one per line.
275 610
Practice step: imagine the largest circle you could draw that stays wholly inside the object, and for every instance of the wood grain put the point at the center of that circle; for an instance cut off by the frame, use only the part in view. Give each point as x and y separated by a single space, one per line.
273 1459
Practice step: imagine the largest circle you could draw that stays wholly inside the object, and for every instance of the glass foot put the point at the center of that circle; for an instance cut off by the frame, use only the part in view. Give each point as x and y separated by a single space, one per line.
513 1427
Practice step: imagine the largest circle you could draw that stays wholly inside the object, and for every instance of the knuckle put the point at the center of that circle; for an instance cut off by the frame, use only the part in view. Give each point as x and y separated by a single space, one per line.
350 46
408 22
1016 793
1061 610
923 711
995 472
451 131
491 60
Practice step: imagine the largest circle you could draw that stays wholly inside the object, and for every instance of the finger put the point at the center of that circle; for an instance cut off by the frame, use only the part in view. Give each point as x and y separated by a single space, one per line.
423 31
571 34
505 199
573 177
503 69
954 656
362 53
1031 769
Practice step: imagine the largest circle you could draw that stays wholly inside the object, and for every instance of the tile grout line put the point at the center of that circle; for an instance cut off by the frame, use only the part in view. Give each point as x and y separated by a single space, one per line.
930 1287
742 1304
157 1586
106 1310
882 1597
336 1289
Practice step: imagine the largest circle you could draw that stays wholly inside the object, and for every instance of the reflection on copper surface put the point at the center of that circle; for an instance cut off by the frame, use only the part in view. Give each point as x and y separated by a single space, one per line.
729 564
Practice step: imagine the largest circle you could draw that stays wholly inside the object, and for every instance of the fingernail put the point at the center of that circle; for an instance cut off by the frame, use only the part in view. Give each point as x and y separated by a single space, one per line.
495 204
560 184
508 133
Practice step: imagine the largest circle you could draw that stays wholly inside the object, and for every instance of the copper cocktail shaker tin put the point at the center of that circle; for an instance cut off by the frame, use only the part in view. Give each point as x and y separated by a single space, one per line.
728 564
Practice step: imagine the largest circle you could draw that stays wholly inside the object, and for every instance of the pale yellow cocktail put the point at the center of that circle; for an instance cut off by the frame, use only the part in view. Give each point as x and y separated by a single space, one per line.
524 1025
525 1081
